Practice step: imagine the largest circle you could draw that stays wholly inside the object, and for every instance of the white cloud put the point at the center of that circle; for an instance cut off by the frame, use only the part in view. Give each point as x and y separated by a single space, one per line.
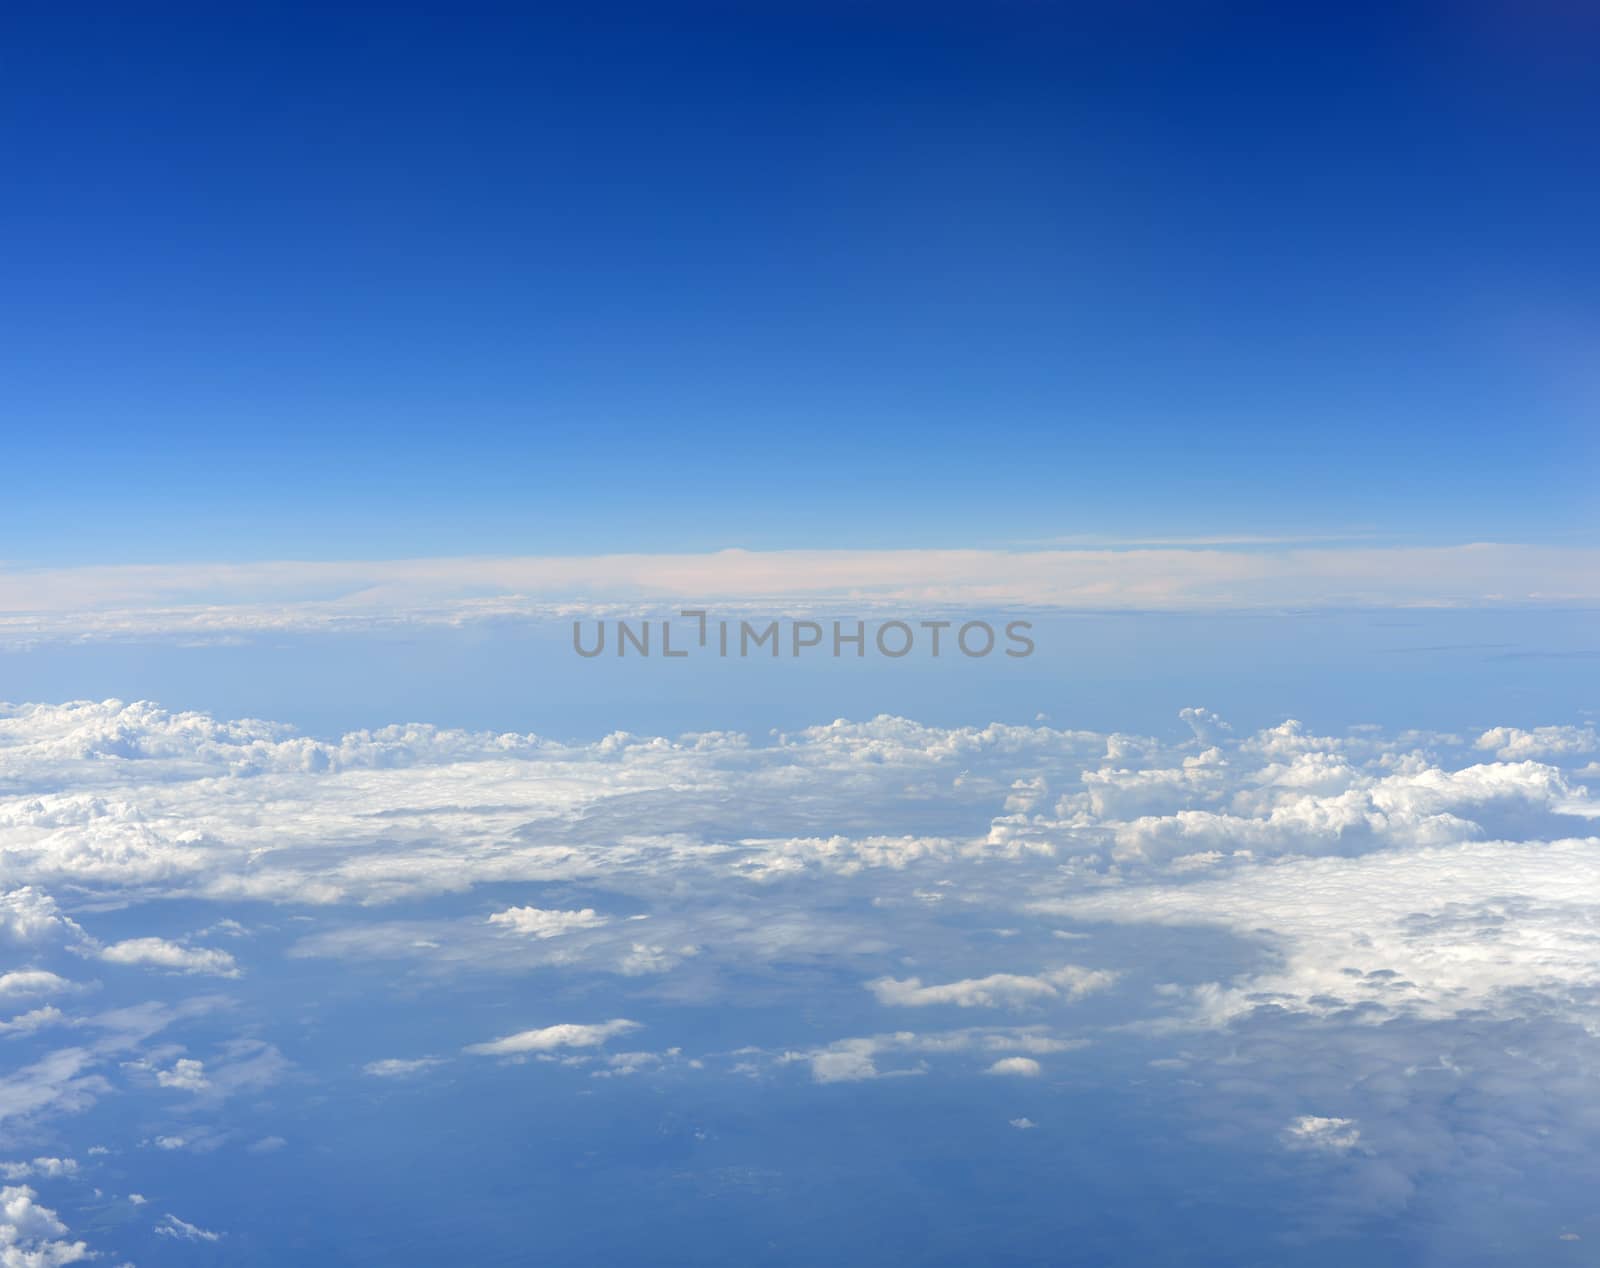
400 1067
30 1234
1024 1124
1326 1135
844 1064
1435 932
183 1231
29 915
997 990
186 1074
25 982
538 922
48 1168
160 953
1023 1067
856 1059
1513 744
229 599
33 1020
1357 906
551 1038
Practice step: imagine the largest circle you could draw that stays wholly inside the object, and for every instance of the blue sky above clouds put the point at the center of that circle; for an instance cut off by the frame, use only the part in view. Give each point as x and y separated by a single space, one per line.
351 355
375 282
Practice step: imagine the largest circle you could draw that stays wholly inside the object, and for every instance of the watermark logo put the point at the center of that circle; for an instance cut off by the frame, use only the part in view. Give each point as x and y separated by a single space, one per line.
696 631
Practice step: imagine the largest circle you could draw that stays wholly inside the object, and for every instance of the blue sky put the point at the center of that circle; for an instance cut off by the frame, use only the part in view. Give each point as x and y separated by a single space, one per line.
378 283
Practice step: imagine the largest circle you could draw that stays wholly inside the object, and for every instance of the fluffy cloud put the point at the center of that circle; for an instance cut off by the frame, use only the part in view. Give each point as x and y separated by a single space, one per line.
998 989
1436 932
50 1168
536 922
1017 1067
858 1059
1339 948
31 1235
30 915
551 1038
186 1075
25 982
160 953
1512 743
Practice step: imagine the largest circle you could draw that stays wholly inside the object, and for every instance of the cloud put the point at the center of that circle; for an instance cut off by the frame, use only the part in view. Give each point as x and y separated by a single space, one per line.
33 1020
1381 930
551 1038
857 1059
49 1168
30 1234
29 915
400 1067
1024 1067
1436 932
160 953
1024 1124
229 599
1327 1135
844 1065
537 922
998 989
59 1082
114 797
1513 744
183 1231
25 982
186 1074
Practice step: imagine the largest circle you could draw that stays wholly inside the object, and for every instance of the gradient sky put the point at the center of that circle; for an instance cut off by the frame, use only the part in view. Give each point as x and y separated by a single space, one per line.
394 282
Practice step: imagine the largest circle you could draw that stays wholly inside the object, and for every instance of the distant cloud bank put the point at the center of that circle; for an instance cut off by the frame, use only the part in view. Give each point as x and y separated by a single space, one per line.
219 599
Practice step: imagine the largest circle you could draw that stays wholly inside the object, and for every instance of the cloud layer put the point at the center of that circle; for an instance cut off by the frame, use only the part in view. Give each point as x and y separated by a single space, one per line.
222 599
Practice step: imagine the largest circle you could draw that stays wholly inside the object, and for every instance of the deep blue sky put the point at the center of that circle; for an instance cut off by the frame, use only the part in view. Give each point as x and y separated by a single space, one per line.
566 278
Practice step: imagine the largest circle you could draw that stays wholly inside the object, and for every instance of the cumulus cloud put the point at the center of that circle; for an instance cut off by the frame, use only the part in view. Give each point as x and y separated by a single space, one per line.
47 1167
537 922
31 1235
25 982
30 915
998 989
160 953
1435 932
1368 923
551 1038
906 1052
186 1075
1514 744
1021 1067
